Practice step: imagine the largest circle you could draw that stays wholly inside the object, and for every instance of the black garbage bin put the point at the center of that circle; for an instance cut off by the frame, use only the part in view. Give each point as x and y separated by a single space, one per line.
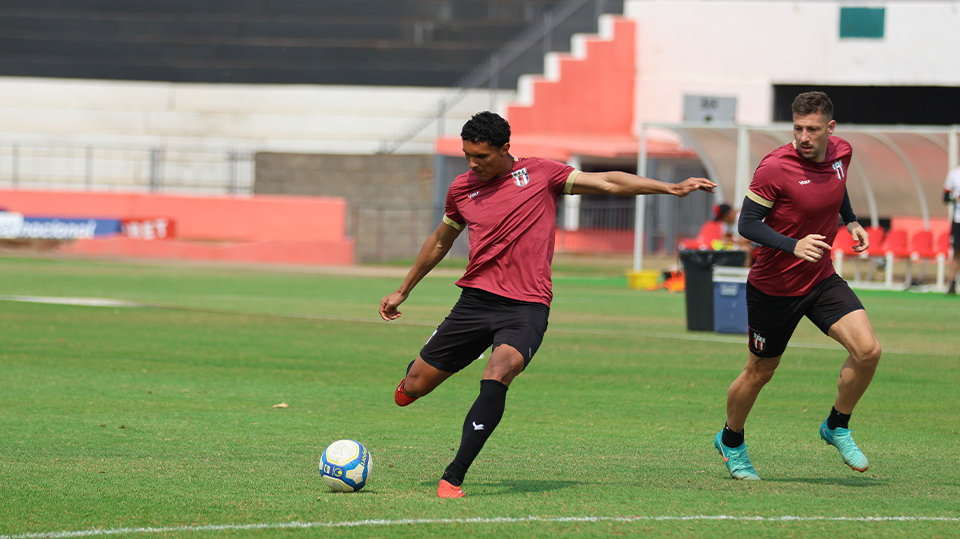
698 283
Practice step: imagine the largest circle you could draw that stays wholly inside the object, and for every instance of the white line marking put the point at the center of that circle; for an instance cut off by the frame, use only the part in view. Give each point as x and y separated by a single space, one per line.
85 302
478 520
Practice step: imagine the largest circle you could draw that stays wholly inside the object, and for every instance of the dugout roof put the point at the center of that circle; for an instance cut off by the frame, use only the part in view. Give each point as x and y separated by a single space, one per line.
896 170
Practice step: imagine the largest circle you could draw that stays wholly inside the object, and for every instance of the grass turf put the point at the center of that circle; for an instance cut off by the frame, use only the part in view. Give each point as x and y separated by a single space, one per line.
163 417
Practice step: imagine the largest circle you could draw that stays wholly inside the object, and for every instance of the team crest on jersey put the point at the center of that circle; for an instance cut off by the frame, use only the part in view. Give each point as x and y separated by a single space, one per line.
520 177
759 343
838 168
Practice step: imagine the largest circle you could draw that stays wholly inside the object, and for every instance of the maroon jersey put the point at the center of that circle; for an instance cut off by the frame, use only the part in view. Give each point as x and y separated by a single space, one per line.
512 223
804 198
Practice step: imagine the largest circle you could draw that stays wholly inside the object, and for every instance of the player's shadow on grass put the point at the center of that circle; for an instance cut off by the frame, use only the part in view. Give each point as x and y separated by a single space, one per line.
854 481
517 486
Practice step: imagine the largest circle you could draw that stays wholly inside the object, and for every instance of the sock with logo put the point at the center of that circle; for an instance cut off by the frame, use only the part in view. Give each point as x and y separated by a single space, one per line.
482 418
731 438
836 419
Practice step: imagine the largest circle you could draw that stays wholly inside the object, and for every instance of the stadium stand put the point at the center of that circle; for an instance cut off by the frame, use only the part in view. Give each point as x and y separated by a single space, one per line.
377 42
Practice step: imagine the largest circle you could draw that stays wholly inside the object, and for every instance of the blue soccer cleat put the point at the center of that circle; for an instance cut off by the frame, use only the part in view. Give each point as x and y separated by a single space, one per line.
843 441
736 459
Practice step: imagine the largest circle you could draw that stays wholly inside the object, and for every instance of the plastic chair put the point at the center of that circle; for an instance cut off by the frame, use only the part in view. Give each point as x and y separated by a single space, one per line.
942 246
921 245
895 245
875 235
843 247
941 252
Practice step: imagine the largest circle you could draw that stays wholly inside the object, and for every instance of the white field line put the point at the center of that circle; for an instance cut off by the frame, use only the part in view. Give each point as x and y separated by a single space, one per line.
478 520
84 302
705 337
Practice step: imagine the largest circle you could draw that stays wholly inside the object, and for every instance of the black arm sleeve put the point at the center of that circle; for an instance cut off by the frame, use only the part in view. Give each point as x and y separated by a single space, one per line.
752 227
846 211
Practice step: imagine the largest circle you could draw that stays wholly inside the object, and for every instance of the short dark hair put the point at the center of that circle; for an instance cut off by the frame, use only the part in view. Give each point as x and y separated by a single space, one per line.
486 127
811 103
720 210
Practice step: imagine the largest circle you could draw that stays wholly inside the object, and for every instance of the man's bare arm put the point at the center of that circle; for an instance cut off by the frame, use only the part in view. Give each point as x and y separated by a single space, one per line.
434 249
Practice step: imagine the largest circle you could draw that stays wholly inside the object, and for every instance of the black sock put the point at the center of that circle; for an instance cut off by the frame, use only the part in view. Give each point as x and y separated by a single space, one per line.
482 418
410 366
836 419
731 438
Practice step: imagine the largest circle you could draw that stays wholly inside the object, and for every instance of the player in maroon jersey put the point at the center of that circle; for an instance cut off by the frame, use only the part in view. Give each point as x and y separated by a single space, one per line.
791 210
510 207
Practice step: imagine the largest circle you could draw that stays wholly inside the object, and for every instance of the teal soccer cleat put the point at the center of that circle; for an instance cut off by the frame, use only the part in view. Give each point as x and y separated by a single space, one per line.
736 459
843 441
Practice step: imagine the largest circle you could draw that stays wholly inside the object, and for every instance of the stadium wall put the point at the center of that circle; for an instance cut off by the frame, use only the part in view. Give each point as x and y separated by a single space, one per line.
390 198
743 48
261 229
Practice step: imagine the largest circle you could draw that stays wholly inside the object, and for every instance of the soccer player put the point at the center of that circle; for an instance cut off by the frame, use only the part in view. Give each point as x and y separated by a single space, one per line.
951 195
791 210
510 208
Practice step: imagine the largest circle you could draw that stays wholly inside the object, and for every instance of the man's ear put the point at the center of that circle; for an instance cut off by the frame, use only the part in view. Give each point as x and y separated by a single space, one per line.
505 149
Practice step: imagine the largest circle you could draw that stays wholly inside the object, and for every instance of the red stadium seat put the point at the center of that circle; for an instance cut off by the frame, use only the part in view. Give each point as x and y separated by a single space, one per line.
921 245
875 237
843 247
895 242
844 243
942 246
939 251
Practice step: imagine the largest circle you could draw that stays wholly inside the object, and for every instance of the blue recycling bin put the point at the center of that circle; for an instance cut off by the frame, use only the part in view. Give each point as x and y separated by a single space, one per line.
730 299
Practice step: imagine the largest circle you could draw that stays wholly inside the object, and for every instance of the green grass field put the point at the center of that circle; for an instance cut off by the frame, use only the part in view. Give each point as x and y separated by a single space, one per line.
160 420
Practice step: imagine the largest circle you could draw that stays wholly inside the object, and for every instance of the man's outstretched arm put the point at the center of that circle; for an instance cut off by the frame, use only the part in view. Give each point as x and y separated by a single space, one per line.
434 249
624 184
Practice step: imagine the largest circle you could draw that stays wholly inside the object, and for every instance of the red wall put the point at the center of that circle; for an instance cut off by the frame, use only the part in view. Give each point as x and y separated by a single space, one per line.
267 229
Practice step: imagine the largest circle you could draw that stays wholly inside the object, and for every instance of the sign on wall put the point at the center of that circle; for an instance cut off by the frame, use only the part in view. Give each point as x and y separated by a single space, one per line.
709 109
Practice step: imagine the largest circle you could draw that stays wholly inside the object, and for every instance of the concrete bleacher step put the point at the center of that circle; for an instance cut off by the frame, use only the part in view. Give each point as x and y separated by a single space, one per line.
236 29
380 42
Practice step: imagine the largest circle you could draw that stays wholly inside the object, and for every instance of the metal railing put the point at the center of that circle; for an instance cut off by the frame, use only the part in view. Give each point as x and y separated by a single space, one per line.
523 55
31 165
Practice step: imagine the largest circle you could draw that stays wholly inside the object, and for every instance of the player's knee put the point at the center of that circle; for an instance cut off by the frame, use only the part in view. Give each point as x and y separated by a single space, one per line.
412 386
762 377
504 365
870 354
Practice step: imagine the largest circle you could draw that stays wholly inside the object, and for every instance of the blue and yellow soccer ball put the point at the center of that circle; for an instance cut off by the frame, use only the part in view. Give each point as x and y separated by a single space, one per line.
345 466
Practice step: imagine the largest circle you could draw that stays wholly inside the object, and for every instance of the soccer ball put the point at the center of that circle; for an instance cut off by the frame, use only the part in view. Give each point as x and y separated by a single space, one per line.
345 466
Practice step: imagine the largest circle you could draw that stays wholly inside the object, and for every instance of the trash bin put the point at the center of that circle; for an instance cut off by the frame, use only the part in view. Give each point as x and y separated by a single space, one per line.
730 300
698 282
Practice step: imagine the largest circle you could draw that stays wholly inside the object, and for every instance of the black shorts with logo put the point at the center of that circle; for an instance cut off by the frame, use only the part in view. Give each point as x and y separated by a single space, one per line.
955 237
480 319
772 319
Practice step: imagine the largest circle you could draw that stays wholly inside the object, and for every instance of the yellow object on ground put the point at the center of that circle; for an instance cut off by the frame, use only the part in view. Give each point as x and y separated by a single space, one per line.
642 280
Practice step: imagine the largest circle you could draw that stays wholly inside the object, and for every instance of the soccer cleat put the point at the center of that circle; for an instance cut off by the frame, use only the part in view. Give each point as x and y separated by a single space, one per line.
843 441
736 459
401 398
447 490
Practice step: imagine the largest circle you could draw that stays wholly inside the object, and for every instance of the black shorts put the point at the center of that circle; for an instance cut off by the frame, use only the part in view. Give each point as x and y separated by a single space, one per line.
480 319
772 319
